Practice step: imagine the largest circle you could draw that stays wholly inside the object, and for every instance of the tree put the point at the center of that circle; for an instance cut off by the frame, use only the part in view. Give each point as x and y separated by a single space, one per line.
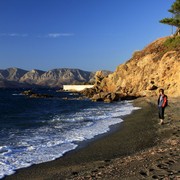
175 20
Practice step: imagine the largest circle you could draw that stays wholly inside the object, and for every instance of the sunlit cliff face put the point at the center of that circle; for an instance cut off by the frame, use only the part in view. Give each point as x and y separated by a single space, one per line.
146 72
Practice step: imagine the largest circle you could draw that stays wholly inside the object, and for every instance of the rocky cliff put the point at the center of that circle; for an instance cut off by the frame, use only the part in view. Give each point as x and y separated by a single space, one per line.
15 77
156 66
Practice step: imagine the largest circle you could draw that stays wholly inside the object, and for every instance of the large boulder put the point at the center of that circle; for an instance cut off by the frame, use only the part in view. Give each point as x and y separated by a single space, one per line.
106 97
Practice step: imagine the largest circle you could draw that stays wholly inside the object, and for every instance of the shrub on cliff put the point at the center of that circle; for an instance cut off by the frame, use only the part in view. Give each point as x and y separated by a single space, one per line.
172 43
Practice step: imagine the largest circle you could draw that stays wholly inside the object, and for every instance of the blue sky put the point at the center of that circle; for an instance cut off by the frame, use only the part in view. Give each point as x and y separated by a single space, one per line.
85 34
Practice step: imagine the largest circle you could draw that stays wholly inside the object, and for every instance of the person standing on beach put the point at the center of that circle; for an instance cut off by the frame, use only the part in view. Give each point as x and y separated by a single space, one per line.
162 103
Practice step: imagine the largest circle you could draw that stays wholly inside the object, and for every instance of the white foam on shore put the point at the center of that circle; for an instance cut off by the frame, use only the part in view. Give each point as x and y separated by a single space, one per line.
46 143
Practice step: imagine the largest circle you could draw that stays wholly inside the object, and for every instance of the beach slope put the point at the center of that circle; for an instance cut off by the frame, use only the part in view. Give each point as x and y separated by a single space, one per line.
138 148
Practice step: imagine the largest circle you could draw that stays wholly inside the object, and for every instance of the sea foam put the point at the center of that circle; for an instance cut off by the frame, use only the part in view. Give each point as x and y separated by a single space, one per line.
60 135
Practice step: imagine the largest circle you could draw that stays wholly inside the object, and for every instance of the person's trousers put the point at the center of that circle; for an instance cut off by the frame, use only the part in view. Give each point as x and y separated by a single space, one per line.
161 112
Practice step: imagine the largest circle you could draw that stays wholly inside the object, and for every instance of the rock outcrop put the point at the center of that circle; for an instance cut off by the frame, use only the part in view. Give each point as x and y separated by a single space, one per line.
32 94
148 70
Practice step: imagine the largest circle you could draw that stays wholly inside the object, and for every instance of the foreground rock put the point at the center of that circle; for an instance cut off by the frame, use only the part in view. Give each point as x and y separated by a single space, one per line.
106 97
97 94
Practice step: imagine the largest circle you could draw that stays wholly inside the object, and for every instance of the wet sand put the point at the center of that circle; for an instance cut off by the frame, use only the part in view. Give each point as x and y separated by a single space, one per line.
138 148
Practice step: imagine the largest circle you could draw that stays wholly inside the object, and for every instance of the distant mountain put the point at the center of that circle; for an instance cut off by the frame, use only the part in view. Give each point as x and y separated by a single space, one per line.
12 74
32 77
56 78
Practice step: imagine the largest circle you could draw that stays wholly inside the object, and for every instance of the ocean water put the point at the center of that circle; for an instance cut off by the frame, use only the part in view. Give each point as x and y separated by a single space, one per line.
33 131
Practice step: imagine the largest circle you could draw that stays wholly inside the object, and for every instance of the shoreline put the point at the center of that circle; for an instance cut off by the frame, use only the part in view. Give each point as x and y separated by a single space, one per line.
137 133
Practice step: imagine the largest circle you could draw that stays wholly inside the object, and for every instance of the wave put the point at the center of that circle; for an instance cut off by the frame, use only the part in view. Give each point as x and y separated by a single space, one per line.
17 94
59 135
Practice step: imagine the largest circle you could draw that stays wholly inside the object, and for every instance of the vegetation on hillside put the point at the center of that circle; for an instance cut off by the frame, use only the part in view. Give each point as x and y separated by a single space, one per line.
172 43
159 47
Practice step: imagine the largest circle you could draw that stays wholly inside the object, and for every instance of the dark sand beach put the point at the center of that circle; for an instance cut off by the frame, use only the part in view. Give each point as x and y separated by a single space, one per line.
138 148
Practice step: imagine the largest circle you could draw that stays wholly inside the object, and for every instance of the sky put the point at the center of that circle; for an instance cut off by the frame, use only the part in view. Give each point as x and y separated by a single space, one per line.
86 34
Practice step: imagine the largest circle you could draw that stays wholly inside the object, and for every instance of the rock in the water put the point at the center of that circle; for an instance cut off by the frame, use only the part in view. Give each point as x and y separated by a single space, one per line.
28 92
31 94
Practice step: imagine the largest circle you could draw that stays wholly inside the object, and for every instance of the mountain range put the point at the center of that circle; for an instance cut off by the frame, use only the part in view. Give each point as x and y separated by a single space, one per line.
56 78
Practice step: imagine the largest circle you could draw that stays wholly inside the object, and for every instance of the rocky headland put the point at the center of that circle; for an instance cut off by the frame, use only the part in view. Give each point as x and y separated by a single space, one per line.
156 66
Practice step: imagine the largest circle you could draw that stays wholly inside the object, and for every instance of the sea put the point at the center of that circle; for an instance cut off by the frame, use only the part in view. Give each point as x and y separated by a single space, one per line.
37 130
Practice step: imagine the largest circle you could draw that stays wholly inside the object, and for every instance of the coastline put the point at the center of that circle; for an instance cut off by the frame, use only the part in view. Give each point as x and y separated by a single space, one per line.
109 155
